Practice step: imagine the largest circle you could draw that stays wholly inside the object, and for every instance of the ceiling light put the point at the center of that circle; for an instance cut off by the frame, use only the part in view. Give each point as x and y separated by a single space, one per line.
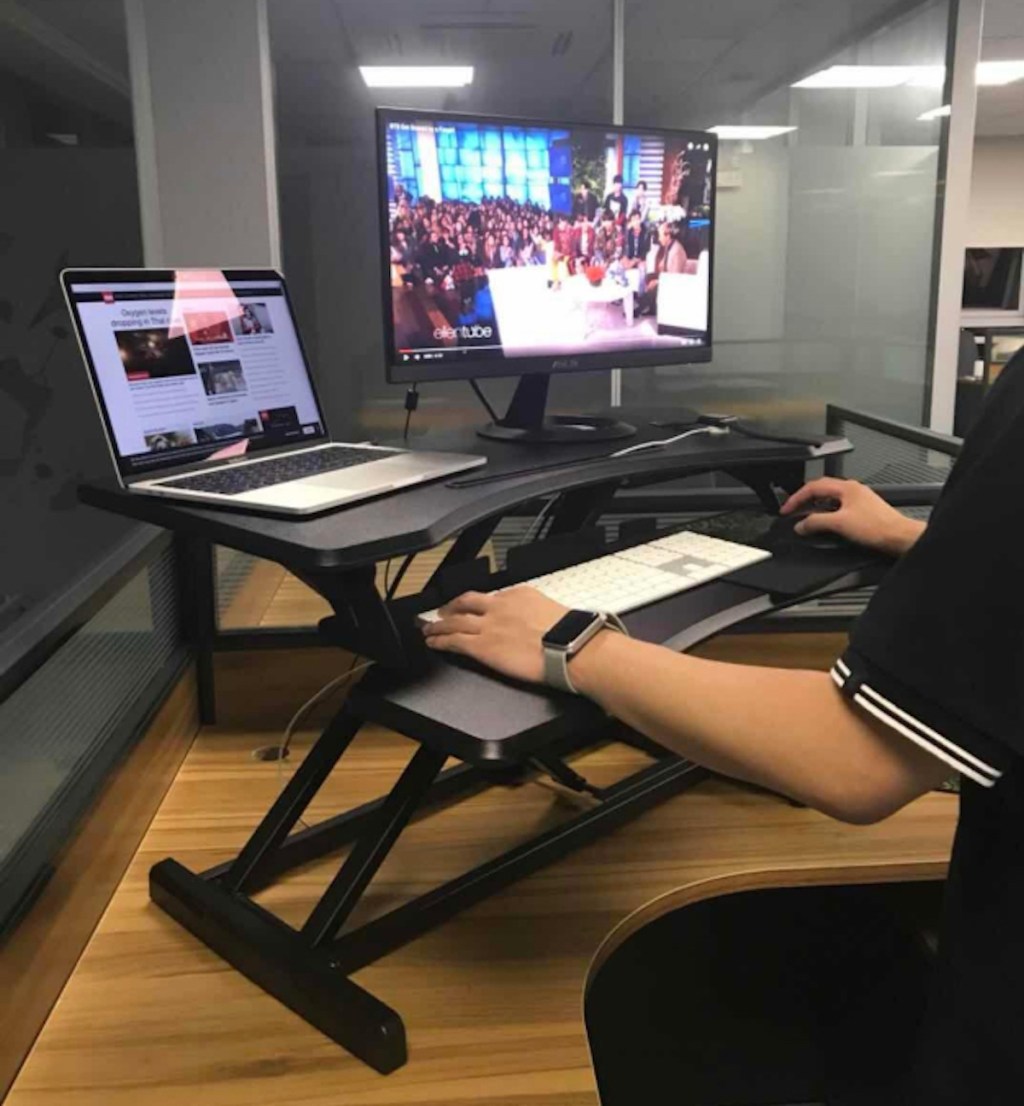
417 76
753 132
1000 72
927 76
916 76
859 76
935 113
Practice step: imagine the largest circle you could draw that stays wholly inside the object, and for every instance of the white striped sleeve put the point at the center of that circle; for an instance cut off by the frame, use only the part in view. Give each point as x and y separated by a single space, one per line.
949 747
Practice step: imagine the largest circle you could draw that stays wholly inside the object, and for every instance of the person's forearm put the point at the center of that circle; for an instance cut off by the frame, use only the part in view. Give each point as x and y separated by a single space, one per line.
790 731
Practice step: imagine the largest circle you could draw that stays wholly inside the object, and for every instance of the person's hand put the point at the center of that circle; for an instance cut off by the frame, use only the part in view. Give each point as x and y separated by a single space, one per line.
502 630
863 516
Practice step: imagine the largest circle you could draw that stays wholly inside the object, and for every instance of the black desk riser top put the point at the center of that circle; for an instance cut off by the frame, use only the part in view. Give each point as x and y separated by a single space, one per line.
420 518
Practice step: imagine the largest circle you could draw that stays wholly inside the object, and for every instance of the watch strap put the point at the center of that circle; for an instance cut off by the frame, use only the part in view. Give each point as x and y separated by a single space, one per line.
556 661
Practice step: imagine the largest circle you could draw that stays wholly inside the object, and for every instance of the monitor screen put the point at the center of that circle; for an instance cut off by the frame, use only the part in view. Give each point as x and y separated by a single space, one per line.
992 278
512 247
192 366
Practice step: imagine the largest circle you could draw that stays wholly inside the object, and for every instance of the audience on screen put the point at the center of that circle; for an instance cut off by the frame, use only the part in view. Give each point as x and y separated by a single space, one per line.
451 243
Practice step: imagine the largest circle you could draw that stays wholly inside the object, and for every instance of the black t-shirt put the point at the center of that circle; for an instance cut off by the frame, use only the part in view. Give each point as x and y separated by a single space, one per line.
938 656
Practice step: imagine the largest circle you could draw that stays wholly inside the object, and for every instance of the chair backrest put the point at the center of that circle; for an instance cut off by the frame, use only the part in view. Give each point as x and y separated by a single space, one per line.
683 298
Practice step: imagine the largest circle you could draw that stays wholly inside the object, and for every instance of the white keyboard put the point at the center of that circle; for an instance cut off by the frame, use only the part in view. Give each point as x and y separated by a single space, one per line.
635 577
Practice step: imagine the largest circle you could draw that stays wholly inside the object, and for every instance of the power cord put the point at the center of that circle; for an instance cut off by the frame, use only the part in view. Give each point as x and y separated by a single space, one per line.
412 401
281 752
662 443
738 426
391 586
483 399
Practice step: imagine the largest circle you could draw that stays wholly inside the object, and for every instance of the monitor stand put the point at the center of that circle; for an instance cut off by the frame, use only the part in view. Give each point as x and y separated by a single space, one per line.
526 422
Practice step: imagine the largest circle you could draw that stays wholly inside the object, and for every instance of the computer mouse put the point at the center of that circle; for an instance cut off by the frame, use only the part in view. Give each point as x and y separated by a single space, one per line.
783 530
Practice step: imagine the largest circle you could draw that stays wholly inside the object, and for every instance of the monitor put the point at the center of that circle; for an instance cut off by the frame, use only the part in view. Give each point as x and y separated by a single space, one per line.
992 278
521 248
190 366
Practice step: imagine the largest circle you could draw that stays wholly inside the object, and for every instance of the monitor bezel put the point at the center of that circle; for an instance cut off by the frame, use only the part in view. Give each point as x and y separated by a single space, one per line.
127 473
483 368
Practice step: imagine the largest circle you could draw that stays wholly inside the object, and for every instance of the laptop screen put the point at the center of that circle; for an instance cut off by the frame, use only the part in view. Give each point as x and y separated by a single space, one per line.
193 366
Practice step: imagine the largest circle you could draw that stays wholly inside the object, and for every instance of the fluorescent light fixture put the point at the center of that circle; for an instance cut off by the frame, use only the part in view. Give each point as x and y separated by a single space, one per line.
927 76
916 76
935 113
417 76
1000 72
858 76
742 131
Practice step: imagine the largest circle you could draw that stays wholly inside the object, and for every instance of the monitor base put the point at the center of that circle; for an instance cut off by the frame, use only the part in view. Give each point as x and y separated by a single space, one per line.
525 422
567 429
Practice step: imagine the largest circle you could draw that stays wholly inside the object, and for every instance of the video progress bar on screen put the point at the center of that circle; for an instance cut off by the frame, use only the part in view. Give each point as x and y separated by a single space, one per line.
434 352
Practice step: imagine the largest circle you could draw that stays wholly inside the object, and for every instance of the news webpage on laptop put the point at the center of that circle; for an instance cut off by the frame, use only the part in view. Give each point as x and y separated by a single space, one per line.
196 369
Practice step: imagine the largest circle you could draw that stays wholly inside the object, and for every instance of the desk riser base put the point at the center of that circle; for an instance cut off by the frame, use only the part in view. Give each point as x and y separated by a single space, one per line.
309 973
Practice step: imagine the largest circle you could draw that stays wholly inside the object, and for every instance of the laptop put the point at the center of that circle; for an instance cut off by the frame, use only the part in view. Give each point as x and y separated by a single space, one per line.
206 394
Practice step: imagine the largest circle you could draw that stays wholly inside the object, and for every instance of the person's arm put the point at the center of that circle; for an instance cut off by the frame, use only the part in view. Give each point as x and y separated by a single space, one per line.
791 731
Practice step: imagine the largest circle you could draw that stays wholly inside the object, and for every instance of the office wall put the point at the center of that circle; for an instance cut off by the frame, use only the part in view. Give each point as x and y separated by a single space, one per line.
996 215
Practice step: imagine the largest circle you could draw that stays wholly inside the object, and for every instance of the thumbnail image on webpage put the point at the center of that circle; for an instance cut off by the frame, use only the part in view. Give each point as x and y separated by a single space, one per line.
528 241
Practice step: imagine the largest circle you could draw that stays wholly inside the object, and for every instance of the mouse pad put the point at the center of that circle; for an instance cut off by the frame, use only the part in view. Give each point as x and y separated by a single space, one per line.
796 567
797 570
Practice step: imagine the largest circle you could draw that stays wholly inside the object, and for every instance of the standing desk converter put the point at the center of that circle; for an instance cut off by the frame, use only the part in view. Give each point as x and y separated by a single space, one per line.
502 732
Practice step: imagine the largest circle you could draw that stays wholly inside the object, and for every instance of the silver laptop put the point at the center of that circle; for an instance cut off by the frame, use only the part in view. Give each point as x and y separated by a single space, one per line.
206 394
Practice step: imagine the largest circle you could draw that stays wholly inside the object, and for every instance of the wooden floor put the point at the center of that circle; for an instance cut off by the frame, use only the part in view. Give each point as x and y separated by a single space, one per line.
492 1000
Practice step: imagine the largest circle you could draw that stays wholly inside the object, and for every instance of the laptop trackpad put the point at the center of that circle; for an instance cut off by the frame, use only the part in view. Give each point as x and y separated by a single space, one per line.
299 495
375 476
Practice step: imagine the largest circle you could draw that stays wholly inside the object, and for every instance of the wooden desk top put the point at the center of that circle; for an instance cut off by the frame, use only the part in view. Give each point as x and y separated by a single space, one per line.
492 1000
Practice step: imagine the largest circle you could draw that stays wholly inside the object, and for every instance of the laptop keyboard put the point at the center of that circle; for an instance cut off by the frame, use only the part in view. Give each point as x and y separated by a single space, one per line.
278 470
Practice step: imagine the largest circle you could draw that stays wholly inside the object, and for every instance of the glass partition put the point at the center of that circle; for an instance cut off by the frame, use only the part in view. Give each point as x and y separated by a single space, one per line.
68 196
826 236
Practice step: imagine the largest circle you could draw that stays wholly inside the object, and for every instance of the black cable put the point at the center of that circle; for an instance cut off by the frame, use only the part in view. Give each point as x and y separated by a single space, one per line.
412 401
786 439
483 399
390 589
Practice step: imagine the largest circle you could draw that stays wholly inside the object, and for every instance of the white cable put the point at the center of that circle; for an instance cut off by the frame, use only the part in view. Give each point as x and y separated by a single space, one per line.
319 697
717 430
306 707
538 522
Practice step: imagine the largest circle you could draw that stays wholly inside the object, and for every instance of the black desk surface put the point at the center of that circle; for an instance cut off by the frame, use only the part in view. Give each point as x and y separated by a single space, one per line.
421 517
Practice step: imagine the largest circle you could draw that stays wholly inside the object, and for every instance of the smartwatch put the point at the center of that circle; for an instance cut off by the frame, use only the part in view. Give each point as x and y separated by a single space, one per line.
567 637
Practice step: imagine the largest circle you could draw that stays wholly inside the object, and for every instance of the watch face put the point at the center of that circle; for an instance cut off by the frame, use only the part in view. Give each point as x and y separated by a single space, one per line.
569 628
